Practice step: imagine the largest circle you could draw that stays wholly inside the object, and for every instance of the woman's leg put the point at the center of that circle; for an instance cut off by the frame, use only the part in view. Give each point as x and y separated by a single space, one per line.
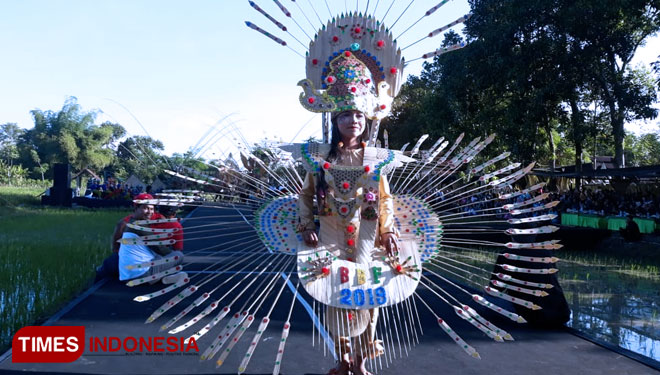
339 323
367 345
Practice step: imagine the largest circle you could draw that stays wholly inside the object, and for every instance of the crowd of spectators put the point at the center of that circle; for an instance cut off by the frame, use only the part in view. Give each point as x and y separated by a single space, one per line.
601 202
487 204
609 203
112 189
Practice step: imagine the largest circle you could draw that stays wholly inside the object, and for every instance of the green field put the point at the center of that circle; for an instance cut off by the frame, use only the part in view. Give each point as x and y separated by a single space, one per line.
47 256
16 197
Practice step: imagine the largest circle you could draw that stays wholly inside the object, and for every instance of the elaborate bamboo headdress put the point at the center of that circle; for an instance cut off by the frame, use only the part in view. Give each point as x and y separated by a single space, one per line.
353 62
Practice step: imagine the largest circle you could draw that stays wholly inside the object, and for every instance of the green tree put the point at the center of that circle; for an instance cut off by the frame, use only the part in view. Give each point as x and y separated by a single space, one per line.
139 155
505 81
10 135
610 34
642 150
445 100
40 167
656 69
533 69
11 174
187 159
69 136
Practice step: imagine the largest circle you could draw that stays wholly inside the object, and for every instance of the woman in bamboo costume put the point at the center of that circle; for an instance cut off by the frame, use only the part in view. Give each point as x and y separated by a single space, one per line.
365 257
346 77
347 150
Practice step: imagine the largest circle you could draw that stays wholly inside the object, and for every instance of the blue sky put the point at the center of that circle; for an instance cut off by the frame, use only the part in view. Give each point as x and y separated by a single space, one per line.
180 67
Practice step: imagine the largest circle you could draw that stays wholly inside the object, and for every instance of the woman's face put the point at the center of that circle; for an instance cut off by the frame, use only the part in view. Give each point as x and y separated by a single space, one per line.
350 124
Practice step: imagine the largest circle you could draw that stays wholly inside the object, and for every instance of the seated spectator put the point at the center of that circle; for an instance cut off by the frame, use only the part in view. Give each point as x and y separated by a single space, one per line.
631 232
142 212
132 254
169 212
110 266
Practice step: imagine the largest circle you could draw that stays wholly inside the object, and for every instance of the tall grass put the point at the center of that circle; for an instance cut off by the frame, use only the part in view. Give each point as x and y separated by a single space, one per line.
12 197
47 256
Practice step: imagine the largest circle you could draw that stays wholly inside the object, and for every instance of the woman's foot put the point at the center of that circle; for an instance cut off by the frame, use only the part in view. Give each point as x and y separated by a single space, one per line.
341 369
360 368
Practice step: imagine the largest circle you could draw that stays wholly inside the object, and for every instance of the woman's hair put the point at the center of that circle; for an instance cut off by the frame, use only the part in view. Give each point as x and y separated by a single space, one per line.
335 138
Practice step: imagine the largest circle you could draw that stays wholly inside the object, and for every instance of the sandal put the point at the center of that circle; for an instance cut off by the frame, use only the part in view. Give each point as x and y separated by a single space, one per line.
340 369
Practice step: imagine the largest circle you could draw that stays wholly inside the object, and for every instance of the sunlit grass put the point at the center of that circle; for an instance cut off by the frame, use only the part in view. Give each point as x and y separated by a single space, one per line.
47 256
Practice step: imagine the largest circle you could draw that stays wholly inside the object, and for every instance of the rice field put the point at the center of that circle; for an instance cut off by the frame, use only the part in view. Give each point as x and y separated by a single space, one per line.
613 299
47 256
12 197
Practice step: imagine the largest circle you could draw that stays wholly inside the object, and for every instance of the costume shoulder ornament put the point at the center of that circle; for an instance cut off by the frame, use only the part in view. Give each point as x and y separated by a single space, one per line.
313 157
471 232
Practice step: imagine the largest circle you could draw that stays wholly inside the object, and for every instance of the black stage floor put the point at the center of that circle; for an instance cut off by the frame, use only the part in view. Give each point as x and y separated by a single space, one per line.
107 310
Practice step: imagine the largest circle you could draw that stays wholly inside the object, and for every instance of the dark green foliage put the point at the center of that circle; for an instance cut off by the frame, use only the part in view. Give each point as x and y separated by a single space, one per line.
545 75
68 136
139 155
72 136
10 134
